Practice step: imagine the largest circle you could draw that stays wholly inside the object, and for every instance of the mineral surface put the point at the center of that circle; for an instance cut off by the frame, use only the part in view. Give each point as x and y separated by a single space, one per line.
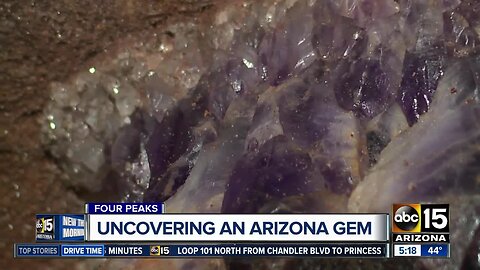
286 106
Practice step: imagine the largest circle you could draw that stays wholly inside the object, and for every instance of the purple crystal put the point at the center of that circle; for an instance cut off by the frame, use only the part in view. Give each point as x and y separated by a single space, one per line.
274 171
240 76
436 159
363 86
461 38
126 146
304 112
421 73
288 49
364 11
335 36
163 146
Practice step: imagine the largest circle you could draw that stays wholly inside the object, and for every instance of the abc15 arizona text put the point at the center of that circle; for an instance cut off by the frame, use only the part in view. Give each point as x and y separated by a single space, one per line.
45 228
421 222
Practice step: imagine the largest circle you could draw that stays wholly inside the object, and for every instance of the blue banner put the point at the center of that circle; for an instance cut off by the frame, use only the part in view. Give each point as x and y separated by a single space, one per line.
435 250
64 227
37 250
127 250
124 208
82 250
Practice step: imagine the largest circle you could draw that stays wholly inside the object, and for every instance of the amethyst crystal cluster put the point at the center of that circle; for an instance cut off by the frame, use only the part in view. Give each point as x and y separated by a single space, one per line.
286 106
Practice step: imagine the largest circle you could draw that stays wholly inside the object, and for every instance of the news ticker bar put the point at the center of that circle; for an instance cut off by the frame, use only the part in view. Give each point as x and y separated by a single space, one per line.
421 250
344 250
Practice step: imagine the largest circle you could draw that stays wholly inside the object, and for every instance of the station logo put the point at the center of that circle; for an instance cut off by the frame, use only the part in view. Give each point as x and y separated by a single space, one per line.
406 218
45 227
420 218
154 250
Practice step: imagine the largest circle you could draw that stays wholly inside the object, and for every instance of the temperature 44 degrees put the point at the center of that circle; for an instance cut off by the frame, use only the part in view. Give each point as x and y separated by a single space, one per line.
434 250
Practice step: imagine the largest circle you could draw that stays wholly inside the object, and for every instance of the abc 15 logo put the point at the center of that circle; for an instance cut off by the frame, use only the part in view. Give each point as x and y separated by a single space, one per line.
154 250
45 225
416 218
